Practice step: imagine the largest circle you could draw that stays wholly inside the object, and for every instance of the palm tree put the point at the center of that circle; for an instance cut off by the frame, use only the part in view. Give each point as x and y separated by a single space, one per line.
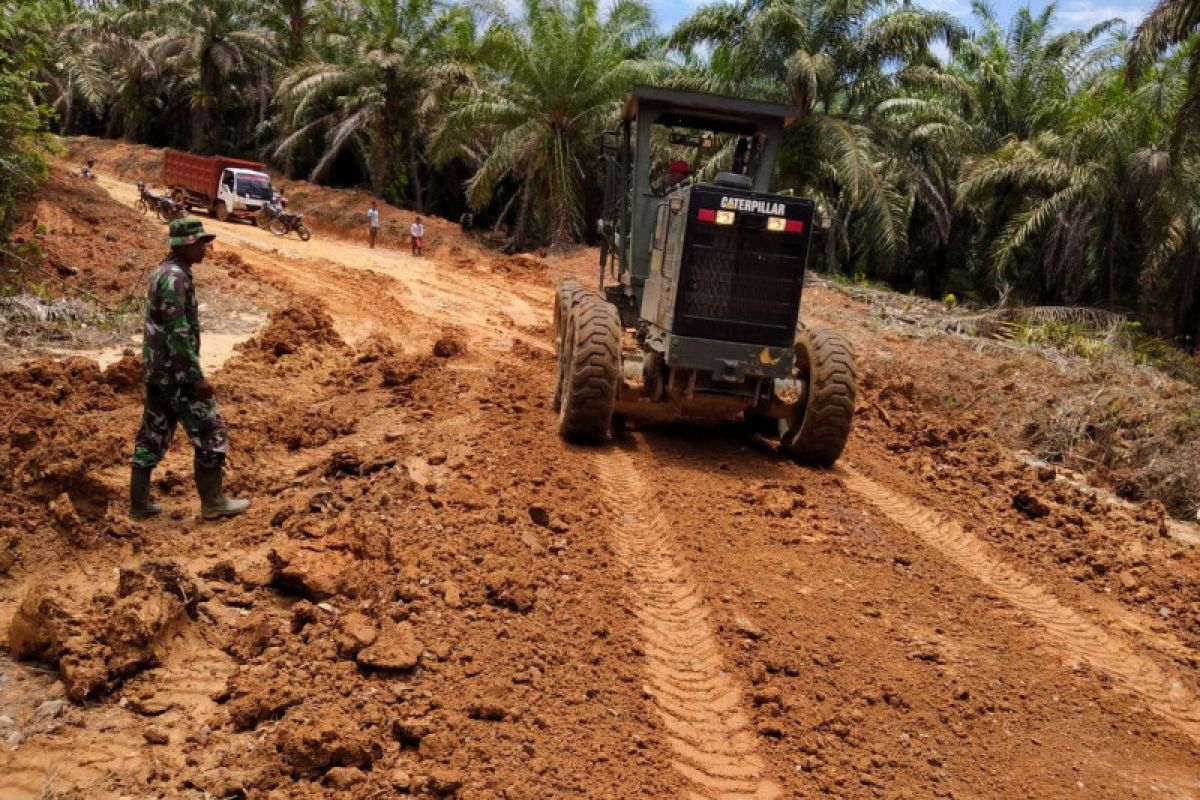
368 92
214 49
1172 23
292 22
1023 78
547 85
1001 88
832 62
1095 206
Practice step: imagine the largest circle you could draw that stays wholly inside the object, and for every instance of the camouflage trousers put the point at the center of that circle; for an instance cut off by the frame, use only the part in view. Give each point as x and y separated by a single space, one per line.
168 405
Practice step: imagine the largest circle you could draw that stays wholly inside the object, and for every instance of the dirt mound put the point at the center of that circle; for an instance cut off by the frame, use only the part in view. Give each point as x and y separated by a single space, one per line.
51 453
1050 524
451 343
520 264
98 638
134 162
474 259
1130 429
298 325
80 237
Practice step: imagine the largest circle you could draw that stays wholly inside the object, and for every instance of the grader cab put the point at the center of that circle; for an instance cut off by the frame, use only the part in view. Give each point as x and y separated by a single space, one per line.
696 316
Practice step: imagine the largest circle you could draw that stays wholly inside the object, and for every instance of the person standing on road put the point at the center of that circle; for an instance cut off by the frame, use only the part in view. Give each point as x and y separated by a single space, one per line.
373 223
177 392
417 230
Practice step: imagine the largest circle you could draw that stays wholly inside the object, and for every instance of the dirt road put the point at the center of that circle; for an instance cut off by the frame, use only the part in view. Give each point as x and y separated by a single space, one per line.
433 595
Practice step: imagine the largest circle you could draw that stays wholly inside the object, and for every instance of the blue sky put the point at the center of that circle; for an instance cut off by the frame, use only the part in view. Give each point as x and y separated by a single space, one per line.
1071 13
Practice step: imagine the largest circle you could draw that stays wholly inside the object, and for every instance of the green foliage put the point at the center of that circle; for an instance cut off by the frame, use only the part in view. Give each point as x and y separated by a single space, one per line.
545 86
23 47
950 302
1075 338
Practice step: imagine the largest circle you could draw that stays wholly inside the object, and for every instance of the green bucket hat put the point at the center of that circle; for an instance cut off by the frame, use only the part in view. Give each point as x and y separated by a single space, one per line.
187 230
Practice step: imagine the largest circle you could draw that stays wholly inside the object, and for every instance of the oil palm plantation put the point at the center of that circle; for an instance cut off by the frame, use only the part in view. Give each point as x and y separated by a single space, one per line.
832 62
367 92
217 52
1007 93
546 84
1093 209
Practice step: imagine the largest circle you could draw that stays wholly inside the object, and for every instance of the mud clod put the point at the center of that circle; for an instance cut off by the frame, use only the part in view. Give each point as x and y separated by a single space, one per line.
100 637
396 648
312 739
1030 505
314 574
449 345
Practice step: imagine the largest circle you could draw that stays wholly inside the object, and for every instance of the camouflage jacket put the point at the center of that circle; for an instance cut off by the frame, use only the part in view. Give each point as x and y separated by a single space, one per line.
171 347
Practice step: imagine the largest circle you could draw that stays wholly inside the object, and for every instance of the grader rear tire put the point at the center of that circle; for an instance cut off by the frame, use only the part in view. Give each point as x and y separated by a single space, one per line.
569 291
817 432
591 358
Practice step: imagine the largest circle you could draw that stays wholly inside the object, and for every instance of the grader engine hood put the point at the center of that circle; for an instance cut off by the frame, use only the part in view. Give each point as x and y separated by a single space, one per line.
741 266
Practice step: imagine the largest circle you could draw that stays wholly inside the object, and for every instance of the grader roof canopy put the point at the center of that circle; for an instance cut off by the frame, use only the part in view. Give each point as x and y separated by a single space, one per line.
702 110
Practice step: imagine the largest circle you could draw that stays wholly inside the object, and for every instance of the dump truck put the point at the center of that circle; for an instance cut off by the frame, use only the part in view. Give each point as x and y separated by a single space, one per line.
224 187
696 315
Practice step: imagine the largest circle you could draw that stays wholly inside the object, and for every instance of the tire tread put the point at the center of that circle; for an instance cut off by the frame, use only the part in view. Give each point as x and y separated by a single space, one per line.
832 387
593 369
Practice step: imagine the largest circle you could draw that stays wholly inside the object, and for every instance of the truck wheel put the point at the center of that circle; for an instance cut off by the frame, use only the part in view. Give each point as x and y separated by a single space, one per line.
569 290
222 212
593 370
817 430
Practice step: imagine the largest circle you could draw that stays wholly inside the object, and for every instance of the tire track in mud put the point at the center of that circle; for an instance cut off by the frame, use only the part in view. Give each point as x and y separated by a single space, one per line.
1162 693
698 702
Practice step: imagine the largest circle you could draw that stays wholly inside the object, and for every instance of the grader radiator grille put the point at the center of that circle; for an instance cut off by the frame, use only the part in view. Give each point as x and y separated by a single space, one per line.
740 282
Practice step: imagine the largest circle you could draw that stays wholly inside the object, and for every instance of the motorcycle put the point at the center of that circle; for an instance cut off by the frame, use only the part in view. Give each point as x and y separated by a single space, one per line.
287 222
164 207
266 215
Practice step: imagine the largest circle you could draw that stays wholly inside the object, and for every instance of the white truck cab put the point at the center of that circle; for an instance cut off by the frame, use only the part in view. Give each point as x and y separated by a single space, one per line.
242 192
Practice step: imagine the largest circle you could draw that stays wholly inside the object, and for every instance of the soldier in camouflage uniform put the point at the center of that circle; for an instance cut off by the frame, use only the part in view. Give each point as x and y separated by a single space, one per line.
176 389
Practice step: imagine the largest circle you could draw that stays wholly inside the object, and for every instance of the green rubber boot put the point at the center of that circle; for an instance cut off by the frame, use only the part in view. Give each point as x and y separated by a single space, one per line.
140 506
213 502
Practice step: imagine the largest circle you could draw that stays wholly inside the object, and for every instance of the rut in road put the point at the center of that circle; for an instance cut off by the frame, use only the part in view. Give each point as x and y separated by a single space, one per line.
1163 694
697 700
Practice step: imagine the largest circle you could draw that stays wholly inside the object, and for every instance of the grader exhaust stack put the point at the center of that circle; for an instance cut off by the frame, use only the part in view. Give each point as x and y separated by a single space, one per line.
706 275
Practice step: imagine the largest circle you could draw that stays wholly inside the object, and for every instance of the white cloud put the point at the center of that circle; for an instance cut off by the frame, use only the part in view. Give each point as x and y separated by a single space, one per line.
1081 14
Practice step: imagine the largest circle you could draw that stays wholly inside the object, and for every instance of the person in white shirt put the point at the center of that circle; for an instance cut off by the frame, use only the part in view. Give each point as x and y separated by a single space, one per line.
373 223
418 236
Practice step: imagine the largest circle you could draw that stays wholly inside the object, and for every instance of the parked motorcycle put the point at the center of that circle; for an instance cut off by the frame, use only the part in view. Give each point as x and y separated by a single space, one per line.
287 222
164 207
266 215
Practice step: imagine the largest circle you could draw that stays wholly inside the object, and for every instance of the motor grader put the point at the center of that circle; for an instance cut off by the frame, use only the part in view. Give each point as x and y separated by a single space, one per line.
696 316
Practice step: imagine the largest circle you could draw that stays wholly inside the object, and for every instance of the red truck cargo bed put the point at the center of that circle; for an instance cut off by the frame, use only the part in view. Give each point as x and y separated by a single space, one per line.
199 174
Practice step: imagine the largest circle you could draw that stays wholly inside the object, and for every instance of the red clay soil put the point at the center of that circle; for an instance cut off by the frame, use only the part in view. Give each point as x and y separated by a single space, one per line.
433 596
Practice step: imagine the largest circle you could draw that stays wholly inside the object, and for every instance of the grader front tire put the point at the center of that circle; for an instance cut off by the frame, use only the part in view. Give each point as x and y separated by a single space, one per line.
591 363
818 431
569 291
